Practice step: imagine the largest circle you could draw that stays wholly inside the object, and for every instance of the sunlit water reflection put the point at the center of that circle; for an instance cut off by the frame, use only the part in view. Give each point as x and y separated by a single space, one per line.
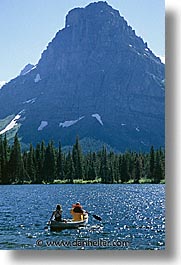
130 213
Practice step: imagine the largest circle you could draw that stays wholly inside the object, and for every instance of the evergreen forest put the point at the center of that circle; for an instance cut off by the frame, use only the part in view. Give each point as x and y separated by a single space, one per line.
49 164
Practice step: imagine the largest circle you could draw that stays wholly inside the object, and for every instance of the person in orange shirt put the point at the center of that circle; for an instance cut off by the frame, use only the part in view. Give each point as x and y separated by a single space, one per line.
77 212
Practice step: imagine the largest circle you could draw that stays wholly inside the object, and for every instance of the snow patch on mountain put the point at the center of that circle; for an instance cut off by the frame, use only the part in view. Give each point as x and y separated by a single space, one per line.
98 118
37 78
27 69
30 101
162 58
2 83
142 142
43 124
11 124
66 124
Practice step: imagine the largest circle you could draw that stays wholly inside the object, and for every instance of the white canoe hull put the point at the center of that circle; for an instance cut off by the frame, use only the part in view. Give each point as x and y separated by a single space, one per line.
69 224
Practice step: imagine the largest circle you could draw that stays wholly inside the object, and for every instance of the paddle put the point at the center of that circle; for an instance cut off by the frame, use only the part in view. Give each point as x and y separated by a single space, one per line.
97 217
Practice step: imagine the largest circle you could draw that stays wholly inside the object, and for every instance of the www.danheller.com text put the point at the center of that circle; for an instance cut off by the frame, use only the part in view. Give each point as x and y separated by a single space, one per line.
83 243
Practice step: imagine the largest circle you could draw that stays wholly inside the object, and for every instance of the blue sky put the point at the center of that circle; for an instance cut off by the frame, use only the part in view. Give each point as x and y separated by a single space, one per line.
27 26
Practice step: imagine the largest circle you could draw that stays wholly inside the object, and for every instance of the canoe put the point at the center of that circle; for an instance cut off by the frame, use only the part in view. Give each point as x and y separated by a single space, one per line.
69 224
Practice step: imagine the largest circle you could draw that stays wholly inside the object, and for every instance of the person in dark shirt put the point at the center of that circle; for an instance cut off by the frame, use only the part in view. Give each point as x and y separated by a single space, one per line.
57 214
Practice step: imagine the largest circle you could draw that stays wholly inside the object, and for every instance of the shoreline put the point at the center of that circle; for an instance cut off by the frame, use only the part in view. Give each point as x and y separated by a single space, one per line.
86 182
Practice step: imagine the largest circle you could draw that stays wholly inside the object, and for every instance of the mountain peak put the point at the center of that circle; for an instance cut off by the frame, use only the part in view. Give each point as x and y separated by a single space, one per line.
96 79
94 11
95 29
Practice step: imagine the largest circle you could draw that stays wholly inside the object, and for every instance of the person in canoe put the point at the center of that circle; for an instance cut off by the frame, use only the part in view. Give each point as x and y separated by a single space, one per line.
57 214
77 212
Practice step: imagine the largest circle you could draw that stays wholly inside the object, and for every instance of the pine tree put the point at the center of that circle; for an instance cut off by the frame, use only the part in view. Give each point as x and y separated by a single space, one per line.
4 179
77 159
116 169
86 169
146 166
25 163
6 154
38 164
49 166
104 168
137 174
69 168
152 163
42 158
158 171
111 173
124 175
91 175
31 168
162 161
16 167
59 169
111 158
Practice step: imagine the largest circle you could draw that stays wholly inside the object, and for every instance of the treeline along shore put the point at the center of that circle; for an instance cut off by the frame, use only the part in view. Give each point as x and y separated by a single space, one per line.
48 164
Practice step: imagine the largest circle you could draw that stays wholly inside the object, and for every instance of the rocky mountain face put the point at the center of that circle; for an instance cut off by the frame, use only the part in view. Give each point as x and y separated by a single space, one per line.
96 79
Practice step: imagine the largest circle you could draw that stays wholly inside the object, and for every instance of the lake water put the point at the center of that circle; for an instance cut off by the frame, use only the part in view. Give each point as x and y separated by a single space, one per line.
133 216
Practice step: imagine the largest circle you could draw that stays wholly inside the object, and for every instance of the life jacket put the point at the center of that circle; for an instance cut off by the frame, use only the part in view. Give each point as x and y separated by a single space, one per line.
77 216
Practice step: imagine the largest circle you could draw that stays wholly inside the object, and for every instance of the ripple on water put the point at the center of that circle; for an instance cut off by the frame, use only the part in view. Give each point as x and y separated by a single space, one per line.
135 213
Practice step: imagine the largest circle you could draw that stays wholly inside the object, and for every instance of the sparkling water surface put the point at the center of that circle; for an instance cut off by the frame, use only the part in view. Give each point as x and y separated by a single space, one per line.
133 216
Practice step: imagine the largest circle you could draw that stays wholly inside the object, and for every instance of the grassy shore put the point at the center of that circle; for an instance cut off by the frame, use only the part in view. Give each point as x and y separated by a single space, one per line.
77 181
96 181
